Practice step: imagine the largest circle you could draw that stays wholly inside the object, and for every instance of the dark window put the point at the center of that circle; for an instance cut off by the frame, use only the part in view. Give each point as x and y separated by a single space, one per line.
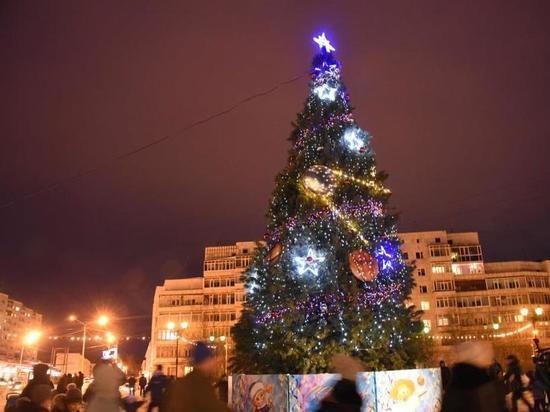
437 240
419 255
405 255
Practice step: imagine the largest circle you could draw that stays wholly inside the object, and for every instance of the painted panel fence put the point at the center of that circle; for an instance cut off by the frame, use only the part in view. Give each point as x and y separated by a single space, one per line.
400 390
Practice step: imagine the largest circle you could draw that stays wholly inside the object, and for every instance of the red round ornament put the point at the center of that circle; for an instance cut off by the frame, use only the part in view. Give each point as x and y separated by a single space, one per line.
363 265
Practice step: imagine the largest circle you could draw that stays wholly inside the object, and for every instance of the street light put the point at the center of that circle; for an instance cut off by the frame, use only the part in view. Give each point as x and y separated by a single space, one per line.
539 311
222 339
172 327
101 321
31 338
524 312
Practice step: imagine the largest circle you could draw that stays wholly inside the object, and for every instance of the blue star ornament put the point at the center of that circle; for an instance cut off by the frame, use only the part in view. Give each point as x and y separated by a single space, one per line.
322 41
310 262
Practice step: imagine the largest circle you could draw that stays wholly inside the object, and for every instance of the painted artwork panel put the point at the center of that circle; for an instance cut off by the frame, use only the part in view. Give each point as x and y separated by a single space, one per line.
259 393
409 390
366 386
306 392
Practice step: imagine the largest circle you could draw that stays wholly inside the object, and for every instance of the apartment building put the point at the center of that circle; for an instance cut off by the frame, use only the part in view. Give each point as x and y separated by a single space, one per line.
465 298
15 321
462 298
199 308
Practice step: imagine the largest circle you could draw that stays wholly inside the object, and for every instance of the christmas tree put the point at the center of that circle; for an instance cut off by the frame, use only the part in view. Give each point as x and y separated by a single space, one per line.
330 277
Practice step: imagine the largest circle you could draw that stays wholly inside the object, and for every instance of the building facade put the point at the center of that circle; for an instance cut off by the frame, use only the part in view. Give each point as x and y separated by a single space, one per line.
73 363
461 297
15 321
199 308
465 298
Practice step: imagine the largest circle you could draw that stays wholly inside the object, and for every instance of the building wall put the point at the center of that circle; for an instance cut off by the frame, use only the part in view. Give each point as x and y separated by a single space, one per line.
465 298
210 305
73 363
15 321
462 298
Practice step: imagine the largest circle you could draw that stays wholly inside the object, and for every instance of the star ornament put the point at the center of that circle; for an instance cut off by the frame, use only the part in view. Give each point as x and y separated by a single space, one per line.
322 41
309 263
325 92
353 139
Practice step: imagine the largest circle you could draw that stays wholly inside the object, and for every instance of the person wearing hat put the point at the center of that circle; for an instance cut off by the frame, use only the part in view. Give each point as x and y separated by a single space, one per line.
194 392
258 395
471 388
39 377
39 399
59 403
73 400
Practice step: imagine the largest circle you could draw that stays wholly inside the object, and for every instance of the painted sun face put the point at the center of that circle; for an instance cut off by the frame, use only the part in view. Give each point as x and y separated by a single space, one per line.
402 390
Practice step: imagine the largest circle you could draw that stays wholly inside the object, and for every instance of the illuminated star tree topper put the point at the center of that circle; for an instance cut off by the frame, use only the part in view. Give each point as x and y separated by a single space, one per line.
323 42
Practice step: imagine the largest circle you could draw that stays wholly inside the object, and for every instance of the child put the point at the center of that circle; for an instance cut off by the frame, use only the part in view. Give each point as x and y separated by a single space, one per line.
261 401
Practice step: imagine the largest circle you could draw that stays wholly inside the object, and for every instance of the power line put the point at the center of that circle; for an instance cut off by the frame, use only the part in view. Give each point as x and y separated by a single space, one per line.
111 162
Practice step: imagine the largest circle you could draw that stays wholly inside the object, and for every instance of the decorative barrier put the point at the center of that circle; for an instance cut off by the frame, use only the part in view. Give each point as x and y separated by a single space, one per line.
400 390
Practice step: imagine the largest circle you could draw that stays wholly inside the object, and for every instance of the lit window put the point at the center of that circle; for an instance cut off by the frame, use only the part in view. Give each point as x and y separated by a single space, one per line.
425 305
438 269
427 325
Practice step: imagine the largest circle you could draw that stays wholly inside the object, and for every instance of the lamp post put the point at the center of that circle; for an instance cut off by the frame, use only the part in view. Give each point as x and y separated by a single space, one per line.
172 327
225 344
533 319
101 321
30 338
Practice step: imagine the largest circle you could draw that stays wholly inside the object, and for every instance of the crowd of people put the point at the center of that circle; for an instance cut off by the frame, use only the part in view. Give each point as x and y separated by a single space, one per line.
475 383
195 392
478 382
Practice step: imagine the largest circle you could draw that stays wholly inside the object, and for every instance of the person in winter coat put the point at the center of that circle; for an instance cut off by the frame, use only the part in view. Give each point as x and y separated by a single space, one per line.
59 403
105 394
39 377
142 385
194 392
132 385
73 400
156 387
343 396
512 378
445 374
471 388
538 389
39 400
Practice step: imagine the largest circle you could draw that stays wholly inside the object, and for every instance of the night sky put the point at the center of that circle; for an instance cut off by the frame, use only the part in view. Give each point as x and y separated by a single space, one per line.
456 94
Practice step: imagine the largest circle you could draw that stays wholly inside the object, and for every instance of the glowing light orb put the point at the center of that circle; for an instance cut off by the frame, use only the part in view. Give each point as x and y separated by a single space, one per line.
355 140
320 180
325 92
309 262
323 42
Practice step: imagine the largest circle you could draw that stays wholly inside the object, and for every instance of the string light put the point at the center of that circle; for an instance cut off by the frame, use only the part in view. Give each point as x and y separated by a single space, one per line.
328 203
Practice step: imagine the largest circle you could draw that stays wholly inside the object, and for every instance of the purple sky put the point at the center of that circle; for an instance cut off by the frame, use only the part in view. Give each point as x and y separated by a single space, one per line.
456 94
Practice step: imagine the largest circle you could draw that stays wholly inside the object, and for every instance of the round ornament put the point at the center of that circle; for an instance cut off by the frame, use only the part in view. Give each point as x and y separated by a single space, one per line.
363 265
275 253
320 180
